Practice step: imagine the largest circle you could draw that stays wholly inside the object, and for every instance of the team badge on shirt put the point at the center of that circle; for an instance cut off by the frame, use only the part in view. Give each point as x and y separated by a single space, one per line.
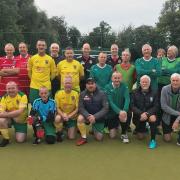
75 66
17 101
46 61
151 99
86 98
72 98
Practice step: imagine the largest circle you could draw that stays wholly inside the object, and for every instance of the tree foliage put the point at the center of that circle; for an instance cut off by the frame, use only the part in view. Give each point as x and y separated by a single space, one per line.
169 22
22 21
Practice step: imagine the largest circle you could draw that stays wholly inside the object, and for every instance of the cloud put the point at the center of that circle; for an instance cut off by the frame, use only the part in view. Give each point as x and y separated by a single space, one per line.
86 15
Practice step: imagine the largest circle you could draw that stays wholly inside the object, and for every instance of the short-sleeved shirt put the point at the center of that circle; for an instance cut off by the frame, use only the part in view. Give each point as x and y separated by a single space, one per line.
6 63
10 104
42 70
67 102
24 81
73 69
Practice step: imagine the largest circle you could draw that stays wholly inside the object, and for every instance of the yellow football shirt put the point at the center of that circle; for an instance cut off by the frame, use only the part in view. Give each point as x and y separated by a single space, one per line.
41 70
73 69
67 102
10 104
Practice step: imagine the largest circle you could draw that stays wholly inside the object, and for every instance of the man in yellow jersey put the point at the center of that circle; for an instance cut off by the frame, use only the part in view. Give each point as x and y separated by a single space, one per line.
41 70
13 110
70 67
67 108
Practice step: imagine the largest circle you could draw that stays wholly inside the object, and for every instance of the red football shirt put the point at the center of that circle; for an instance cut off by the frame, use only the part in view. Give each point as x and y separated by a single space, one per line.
24 81
6 63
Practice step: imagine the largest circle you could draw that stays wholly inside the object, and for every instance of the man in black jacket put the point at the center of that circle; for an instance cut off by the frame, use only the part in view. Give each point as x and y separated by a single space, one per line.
87 61
144 105
93 106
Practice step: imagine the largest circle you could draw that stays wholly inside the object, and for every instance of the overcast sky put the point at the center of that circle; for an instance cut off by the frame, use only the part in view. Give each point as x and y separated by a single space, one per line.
86 14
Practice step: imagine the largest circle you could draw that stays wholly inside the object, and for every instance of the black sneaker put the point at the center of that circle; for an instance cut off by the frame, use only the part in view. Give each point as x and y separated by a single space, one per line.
36 141
4 142
59 137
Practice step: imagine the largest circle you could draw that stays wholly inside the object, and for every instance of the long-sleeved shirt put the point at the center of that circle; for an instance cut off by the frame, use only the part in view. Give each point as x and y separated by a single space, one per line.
148 67
93 103
170 104
118 97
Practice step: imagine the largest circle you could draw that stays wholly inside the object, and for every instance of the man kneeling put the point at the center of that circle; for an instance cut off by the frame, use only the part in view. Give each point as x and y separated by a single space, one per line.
13 111
67 108
93 106
144 105
42 117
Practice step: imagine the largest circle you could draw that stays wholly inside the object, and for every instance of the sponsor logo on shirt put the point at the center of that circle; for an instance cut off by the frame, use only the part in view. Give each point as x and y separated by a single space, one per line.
72 98
151 99
87 98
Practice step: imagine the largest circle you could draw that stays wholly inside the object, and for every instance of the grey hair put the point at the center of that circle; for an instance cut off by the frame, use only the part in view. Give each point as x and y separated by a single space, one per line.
175 50
146 45
147 77
175 75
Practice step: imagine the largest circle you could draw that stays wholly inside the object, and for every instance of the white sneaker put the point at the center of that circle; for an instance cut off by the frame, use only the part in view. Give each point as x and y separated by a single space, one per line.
124 138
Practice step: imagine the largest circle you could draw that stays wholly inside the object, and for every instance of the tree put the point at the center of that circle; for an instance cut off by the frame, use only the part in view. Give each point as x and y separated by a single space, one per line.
34 24
169 22
9 30
102 36
74 36
59 30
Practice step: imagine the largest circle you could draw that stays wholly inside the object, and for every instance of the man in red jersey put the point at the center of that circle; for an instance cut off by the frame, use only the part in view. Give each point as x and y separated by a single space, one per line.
8 68
22 60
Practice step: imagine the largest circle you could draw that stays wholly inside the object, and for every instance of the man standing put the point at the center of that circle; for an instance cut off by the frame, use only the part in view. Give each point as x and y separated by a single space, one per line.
70 67
128 72
118 97
22 60
67 109
13 110
170 104
101 72
93 106
54 51
41 70
147 65
144 105
8 68
114 58
87 61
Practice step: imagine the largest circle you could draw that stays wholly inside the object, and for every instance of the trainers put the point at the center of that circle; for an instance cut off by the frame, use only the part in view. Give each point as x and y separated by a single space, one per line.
4 142
152 144
124 138
59 136
37 141
81 141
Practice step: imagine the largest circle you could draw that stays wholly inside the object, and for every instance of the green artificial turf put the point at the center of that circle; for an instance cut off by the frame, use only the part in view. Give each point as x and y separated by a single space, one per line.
107 160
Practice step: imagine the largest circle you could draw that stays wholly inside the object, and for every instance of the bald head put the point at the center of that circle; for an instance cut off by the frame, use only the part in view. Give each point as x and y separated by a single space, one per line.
86 49
54 50
116 78
11 88
9 50
114 50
